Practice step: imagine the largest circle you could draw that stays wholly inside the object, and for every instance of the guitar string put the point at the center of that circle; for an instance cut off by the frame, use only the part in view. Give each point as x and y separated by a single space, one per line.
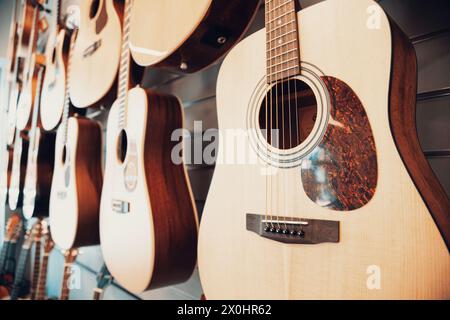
297 126
277 135
283 172
269 128
268 55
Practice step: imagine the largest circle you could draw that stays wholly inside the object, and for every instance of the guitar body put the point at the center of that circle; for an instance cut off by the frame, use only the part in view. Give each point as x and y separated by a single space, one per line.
97 52
5 174
77 183
353 175
18 170
53 90
206 30
38 179
27 96
153 207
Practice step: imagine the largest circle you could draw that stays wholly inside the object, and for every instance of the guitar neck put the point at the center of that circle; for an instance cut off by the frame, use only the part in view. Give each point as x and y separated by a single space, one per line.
3 256
42 281
10 264
36 268
66 110
98 293
65 291
124 68
20 272
282 41
37 103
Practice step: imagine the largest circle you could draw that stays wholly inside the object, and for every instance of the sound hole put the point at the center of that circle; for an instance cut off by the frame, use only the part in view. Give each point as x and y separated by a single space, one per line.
64 155
54 56
288 114
122 146
95 6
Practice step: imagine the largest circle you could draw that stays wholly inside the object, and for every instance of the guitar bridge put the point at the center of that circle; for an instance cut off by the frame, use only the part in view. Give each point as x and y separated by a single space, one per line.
293 230
92 48
121 207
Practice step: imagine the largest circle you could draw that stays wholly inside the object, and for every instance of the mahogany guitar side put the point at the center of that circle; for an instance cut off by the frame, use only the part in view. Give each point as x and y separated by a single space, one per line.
158 217
77 184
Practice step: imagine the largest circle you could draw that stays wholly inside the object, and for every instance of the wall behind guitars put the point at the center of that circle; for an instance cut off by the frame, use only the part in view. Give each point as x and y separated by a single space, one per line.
426 23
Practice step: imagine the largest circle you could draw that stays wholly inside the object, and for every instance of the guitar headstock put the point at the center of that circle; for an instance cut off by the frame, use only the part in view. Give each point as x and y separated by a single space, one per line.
31 235
70 255
13 228
72 17
38 230
104 278
49 243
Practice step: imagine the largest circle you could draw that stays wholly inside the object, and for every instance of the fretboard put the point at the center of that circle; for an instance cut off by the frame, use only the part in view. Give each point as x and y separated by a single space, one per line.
20 272
36 268
65 290
3 255
124 69
37 103
41 290
282 41
65 117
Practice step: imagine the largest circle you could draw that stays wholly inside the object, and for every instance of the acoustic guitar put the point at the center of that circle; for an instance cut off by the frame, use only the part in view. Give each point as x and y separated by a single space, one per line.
205 30
53 89
24 33
39 172
30 75
146 197
336 199
97 52
77 176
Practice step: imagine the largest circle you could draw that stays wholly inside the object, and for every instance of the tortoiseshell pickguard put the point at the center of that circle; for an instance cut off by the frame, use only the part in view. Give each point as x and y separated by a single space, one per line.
341 173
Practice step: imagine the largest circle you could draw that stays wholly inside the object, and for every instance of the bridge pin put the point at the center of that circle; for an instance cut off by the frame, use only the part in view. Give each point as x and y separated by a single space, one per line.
266 229
285 231
301 233
272 229
293 232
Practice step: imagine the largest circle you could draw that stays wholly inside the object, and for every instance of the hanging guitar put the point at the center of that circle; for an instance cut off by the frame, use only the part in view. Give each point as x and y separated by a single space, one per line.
97 52
77 177
145 196
337 200
30 77
8 254
39 172
42 280
53 89
25 31
21 286
27 87
205 30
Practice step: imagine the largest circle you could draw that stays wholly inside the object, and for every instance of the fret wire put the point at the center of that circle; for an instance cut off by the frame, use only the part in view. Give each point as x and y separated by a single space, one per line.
281 26
278 17
284 53
284 44
281 71
278 7
283 35
283 62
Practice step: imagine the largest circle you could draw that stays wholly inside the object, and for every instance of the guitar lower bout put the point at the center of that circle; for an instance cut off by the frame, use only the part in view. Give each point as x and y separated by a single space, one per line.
146 195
